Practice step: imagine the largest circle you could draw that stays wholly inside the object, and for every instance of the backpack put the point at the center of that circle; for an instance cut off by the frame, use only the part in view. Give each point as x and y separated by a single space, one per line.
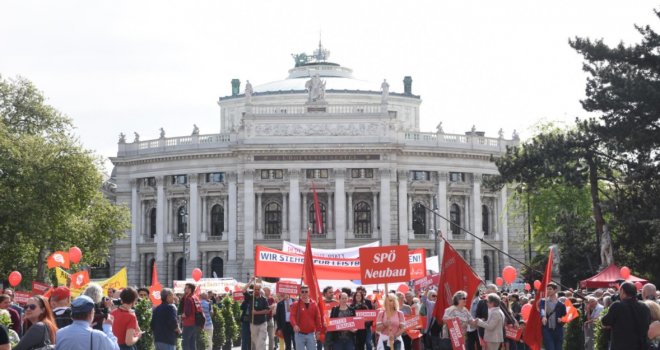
200 319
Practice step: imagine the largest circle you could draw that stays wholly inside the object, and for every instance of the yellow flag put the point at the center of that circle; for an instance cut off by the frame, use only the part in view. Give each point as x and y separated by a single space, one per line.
117 281
62 277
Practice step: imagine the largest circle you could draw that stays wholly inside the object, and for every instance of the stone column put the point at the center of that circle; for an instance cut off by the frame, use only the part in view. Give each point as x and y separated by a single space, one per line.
232 215
285 215
169 270
142 269
193 221
331 217
203 264
409 210
134 223
225 216
404 205
340 209
374 215
442 204
161 219
169 220
351 216
385 207
294 206
305 214
203 214
475 203
260 234
505 223
248 213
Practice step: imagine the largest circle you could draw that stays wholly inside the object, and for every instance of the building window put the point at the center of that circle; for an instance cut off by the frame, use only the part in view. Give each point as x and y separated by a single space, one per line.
273 219
312 218
217 220
419 219
457 177
362 218
149 181
217 267
487 268
362 173
420 175
179 179
455 219
179 269
150 268
272 174
182 220
215 177
152 222
317 173
485 220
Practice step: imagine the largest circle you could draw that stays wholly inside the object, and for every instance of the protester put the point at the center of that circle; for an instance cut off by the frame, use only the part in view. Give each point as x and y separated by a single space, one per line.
493 326
5 343
432 331
306 321
246 319
270 329
482 306
258 306
143 293
14 306
190 307
362 336
345 339
649 292
628 319
654 311
207 309
125 326
80 335
390 324
654 334
43 330
5 304
592 310
60 301
330 302
164 322
283 320
552 310
102 305
457 310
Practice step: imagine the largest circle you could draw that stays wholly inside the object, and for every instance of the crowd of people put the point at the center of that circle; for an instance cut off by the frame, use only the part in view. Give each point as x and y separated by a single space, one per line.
269 321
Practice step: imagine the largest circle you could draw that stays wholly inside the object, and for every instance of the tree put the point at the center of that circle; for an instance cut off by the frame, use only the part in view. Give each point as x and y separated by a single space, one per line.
144 312
219 321
50 187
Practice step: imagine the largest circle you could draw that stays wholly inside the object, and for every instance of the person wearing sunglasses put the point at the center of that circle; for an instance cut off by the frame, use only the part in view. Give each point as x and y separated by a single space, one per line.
43 330
306 321
458 310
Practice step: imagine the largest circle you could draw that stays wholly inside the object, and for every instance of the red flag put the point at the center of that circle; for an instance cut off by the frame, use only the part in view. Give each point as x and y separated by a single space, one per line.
571 312
317 212
79 279
156 288
455 274
59 258
309 278
533 336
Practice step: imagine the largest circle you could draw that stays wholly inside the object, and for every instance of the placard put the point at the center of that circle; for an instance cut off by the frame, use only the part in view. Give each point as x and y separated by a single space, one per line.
367 315
39 288
238 296
455 334
513 333
415 322
426 281
345 324
386 264
21 297
290 288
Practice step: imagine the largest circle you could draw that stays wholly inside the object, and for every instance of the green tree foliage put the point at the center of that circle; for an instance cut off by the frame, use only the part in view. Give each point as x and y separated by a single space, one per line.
50 187
203 340
143 312
232 328
573 334
601 335
219 321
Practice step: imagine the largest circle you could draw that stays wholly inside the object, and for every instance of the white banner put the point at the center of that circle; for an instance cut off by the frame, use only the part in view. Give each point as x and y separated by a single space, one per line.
346 253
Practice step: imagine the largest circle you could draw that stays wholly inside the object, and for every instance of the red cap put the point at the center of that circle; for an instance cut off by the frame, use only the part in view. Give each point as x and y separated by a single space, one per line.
60 293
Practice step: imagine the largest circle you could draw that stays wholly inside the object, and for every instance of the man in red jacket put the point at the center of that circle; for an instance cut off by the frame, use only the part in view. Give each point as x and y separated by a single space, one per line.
190 303
306 321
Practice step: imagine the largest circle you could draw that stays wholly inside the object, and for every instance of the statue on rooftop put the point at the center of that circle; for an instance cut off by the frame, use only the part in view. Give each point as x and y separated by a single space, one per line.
500 133
473 131
248 92
385 88
137 137
438 129
515 135
195 130
316 88
162 133
122 137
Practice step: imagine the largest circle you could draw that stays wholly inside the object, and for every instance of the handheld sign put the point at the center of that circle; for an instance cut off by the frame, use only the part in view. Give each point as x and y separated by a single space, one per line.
386 264
290 288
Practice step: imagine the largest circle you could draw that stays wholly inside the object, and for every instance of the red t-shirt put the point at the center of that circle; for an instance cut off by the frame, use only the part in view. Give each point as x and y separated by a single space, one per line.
124 321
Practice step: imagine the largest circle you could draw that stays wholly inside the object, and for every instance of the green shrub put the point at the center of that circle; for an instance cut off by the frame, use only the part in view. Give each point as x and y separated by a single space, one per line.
143 312
218 328
601 335
232 328
202 339
574 336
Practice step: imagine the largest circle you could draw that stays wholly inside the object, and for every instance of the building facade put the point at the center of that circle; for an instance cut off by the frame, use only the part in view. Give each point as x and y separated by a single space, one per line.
213 197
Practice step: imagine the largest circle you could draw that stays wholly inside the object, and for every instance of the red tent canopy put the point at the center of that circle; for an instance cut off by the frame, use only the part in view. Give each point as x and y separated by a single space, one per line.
607 278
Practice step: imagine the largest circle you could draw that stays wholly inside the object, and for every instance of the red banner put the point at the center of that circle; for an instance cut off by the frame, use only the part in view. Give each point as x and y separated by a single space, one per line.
455 334
238 296
512 332
426 281
367 315
290 288
345 324
386 264
415 322
39 288
21 297
276 263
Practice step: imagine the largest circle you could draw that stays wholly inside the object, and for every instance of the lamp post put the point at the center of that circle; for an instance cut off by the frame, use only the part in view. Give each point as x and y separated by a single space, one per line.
183 236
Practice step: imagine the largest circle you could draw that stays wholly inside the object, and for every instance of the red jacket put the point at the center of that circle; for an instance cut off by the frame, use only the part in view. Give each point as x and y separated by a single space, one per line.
306 316
190 305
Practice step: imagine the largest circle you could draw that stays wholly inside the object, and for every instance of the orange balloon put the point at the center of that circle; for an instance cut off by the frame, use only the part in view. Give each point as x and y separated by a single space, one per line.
537 284
75 254
499 281
509 274
625 272
196 274
525 310
15 278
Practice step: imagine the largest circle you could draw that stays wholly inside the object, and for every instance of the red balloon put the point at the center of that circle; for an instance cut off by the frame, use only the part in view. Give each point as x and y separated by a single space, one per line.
638 285
527 287
75 254
15 278
196 274
499 281
625 272
226 289
525 310
537 284
509 274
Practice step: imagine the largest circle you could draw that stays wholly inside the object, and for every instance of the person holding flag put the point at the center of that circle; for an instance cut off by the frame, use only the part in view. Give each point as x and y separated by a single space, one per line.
306 320
552 310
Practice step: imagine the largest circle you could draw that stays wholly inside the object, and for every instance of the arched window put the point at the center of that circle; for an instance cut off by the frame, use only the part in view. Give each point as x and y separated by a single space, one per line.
485 219
273 219
150 269
312 218
362 218
419 219
182 220
217 267
455 219
487 276
152 222
179 269
217 220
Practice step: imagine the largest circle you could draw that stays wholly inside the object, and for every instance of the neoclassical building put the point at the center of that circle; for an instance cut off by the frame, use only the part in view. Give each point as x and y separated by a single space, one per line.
358 144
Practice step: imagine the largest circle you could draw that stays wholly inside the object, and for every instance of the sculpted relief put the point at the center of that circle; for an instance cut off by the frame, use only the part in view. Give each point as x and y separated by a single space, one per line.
341 129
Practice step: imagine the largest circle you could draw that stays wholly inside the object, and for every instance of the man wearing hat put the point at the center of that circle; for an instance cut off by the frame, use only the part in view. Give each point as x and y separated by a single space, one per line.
60 301
80 335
